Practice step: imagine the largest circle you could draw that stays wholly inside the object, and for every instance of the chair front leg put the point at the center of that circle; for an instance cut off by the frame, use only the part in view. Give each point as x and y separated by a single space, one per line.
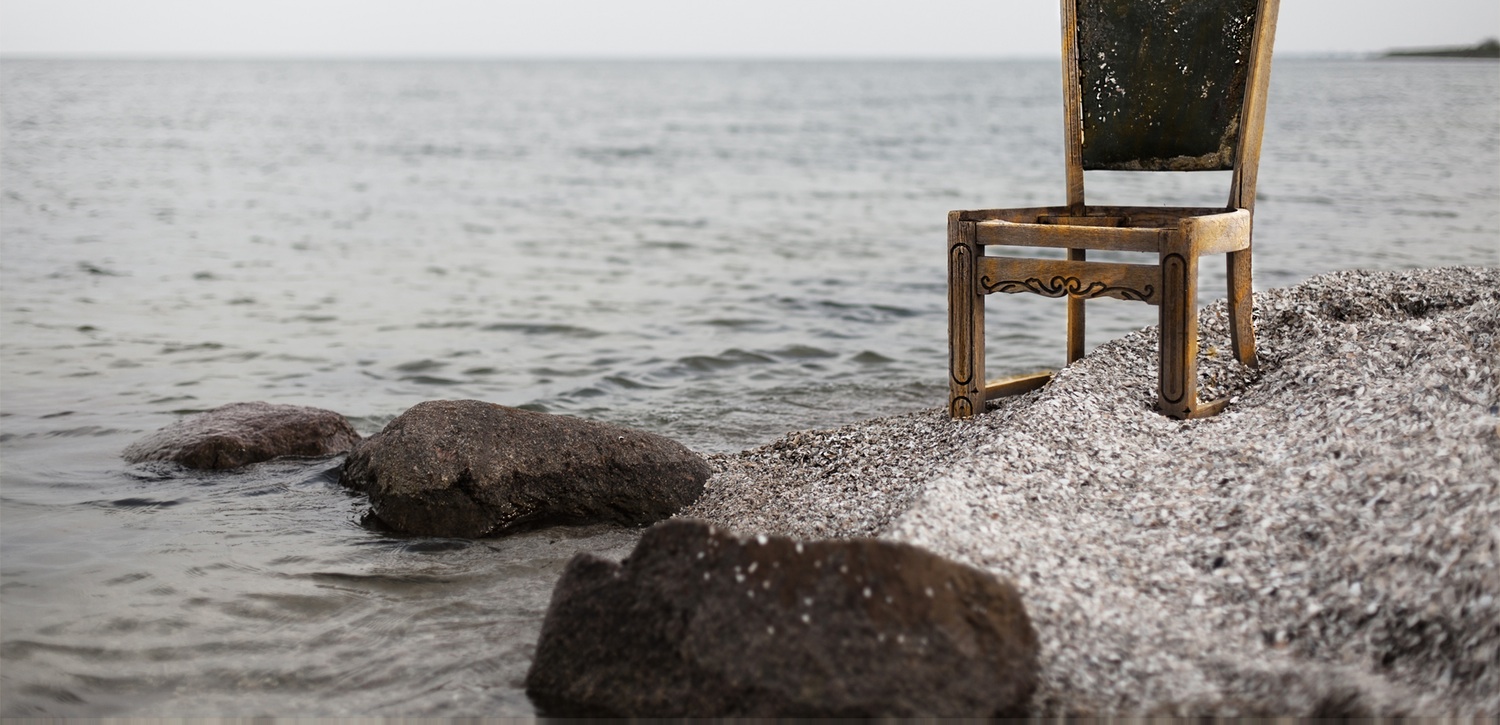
1177 392
965 321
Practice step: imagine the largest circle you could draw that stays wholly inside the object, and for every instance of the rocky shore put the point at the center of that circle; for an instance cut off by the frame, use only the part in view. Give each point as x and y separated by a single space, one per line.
1328 545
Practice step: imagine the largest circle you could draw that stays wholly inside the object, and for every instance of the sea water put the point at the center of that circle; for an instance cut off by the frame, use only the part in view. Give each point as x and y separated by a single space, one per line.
720 252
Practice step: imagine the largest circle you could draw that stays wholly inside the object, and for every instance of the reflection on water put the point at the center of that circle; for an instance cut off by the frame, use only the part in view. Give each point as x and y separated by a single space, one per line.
719 252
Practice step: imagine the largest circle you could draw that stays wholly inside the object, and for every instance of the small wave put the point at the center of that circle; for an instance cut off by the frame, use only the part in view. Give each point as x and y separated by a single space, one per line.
613 153
1314 200
803 352
171 399
19 649
289 560
734 323
54 693
430 380
386 582
434 150
87 431
856 312
138 503
173 349
96 270
420 366
630 384
436 546
281 607
542 328
127 578
869 357
1426 213
731 358
694 223
243 356
369 422
547 373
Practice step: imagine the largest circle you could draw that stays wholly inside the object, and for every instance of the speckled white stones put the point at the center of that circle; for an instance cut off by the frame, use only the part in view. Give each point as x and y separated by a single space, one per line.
1328 544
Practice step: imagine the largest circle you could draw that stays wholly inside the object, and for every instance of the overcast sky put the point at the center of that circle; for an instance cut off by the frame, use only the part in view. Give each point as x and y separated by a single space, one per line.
659 28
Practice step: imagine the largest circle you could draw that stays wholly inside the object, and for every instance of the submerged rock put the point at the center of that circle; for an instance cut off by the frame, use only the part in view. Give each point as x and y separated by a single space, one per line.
697 622
468 468
239 434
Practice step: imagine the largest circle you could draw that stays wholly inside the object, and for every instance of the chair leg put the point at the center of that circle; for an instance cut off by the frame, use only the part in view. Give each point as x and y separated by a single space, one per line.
965 321
1241 307
1178 364
1075 314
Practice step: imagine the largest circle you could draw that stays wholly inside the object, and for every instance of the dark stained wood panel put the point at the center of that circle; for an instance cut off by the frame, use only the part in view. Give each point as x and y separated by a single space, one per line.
1162 82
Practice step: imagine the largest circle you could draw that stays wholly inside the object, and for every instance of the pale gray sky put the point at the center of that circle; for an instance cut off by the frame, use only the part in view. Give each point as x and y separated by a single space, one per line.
658 28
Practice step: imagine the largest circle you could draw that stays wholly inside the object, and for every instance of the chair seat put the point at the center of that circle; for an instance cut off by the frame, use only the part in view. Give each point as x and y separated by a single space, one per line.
1114 228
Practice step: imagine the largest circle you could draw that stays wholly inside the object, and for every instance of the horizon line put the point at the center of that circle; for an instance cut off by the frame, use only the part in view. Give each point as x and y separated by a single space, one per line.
560 57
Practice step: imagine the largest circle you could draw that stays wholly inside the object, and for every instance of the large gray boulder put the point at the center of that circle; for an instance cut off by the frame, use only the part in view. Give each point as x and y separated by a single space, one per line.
699 623
239 434
467 468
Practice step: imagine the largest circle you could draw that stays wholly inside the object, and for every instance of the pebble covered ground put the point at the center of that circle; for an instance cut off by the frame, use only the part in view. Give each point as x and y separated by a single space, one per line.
1328 545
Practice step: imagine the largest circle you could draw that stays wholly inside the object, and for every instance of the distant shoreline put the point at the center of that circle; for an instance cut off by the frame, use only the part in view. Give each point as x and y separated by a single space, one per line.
1486 49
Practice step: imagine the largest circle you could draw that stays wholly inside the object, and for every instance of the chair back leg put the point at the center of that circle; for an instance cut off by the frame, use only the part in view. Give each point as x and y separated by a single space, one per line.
1075 314
1241 307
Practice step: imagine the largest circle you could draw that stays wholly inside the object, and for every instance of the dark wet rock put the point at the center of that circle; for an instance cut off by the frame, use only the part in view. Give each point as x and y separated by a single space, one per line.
239 434
698 622
468 468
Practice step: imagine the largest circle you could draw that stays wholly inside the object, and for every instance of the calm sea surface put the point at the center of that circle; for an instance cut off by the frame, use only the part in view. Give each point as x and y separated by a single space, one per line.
720 252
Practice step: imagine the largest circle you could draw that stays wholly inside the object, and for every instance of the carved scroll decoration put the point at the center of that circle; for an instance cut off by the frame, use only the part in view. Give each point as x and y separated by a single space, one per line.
1060 285
960 407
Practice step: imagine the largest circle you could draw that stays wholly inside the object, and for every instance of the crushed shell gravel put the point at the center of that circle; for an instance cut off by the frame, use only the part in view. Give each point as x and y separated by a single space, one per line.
1329 544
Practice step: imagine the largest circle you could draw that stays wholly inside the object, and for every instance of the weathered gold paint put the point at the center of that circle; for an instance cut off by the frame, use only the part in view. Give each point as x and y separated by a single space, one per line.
1211 117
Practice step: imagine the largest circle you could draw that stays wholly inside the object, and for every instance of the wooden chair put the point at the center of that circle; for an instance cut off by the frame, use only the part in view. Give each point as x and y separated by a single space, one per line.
1165 85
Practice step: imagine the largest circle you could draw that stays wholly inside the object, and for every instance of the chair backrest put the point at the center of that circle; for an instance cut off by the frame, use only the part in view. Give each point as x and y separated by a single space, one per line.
1166 85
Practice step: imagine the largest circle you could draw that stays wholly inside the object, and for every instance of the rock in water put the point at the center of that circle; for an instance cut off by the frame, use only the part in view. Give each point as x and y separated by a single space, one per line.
468 468
697 622
239 434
